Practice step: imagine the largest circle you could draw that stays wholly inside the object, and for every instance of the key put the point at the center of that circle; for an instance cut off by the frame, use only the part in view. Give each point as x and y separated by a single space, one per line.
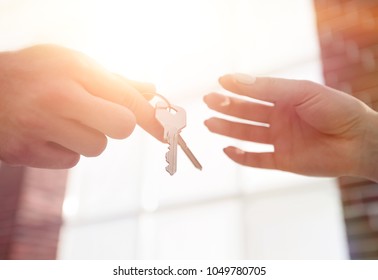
173 120
189 153
180 141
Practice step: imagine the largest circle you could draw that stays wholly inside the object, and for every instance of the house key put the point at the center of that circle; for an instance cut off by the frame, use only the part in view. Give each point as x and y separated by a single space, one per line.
173 120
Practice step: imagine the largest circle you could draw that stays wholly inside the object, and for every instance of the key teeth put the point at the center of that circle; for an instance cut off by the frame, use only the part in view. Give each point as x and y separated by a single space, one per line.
168 170
167 153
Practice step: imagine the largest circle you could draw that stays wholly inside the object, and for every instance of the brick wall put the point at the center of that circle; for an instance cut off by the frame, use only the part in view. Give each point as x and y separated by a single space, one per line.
348 36
30 212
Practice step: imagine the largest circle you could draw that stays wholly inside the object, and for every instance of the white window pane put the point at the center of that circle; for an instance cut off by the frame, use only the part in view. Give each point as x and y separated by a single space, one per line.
110 183
208 231
303 223
273 33
111 239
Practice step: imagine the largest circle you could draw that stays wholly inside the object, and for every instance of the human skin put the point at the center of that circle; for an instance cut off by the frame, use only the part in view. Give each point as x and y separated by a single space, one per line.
57 104
315 130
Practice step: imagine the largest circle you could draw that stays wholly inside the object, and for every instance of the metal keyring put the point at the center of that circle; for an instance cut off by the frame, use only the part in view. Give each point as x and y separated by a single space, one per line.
169 106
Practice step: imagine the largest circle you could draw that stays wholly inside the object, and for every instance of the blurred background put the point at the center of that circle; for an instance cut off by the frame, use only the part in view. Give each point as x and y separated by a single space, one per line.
123 204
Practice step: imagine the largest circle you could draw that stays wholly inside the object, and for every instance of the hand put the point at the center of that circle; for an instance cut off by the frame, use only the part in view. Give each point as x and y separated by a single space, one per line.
57 104
315 130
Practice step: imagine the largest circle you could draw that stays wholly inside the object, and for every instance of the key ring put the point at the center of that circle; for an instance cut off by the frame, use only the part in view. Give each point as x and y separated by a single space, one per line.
155 94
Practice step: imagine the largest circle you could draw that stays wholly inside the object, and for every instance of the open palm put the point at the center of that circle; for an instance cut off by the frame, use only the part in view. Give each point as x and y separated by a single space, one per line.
315 130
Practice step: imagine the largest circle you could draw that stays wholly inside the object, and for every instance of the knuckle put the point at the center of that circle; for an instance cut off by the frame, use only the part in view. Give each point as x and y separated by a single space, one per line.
72 63
270 81
76 64
307 85
64 59
98 146
125 128
30 123
56 98
120 122
71 160
267 84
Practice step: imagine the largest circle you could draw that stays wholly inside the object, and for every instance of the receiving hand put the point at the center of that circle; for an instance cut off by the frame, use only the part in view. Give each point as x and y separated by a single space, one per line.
315 130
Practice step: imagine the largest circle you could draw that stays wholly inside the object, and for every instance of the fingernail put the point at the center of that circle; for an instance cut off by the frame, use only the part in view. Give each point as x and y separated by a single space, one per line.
206 97
233 150
213 124
226 101
218 99
239 152
244 79
227 149
207 123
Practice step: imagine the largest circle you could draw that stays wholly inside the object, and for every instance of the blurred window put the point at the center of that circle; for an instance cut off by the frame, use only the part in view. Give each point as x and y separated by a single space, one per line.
123 204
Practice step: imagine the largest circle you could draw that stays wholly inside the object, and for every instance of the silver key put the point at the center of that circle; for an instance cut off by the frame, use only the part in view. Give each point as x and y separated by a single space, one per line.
173 120
189 153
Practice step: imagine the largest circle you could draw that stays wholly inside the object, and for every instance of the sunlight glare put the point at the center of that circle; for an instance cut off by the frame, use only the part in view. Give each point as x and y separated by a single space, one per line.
142 38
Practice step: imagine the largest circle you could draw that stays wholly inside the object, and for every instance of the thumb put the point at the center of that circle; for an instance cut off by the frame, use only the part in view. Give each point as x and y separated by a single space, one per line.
117 89
325 109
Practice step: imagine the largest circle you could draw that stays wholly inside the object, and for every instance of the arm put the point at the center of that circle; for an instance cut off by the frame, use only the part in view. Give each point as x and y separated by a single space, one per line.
315 130
57 104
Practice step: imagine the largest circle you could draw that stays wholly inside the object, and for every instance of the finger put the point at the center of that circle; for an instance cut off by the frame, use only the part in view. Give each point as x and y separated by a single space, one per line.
240 131
106 85
107 117
111 119
37 153
238 108
325 109
143 111
77 138
146 89
269 89
148 96
259 160
52 156
142 87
